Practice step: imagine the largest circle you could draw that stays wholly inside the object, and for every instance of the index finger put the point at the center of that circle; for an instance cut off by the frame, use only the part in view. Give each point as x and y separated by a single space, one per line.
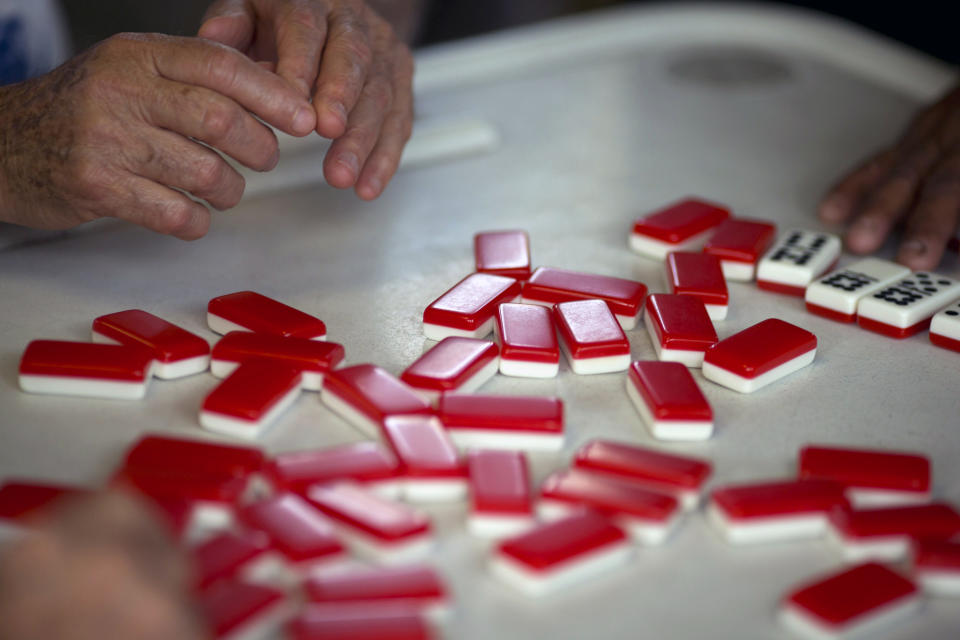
300 33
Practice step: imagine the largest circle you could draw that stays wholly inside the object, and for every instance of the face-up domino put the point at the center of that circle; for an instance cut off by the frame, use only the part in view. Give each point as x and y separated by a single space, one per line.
360 621
884 533
417 587
835 296
177 353
872 478
377 529
314 358
859 602
251 398
432 467
668 399
797 259
365 394
454 365
235 610
528 341
679 327
591 338
86 369
245 556
945 328
560 554
701 276
681 226
531 423
759 355
468 308
774 511
936 566
739 243
22 500
548 286
369 464
250 311
500 502
906 307
680 476
503 253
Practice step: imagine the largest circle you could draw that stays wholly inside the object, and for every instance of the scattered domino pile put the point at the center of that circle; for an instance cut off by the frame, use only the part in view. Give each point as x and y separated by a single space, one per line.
276 541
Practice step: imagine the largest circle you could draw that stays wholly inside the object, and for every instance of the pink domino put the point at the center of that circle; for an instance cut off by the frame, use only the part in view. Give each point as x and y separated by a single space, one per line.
364 395
500 501
369 464
530 423
433 469
251 311
237 610
548 286
177 353
561 554
679 327
360 621
374 528
85 369
774 511
251 398
872 478
22 500
468 308
681 476
528 341
503 253
681 226
739 243
591 338
759 356
796 260
454 365
701 276
312 357
884 533
936 566
860 602
669 401
416 587
244 556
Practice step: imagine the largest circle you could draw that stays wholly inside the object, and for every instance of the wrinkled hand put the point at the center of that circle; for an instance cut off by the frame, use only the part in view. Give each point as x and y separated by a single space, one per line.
349 59
916 181
114 132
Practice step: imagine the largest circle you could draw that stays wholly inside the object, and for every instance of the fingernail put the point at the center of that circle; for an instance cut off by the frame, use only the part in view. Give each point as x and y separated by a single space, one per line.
350 161
914 246
303 120
375 186
274 161
340 111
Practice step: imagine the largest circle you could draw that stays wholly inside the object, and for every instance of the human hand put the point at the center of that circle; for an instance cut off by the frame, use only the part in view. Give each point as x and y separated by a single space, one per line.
349 59
917 180
115 131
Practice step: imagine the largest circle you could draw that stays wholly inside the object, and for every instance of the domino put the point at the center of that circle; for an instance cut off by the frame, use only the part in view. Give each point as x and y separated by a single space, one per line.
680 328
835 296
528 341
936 566
701 276
369 464
176 352
859 602
360 621
681 476
945 328
237 610
739 243
365 394
500 501
433 469
529 423
906 307
759 355
798 258
312 357
109 371
548 286
561 554
591 338
885 533
251 398
468 308
681 226
245 556
503 253
376 529
773 511
250 311
669 401
416 587
22 500
872 478
454 365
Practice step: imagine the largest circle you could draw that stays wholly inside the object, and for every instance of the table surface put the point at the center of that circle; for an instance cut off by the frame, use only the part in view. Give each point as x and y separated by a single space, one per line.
598 119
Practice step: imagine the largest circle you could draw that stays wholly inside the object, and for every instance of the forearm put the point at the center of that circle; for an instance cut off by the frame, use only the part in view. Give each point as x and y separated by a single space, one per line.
405 16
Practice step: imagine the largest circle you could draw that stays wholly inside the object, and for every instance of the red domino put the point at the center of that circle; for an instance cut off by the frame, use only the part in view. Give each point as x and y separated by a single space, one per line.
417 586
701 276
85 369
433 469
679 327
740 243
548 286
528 341
21 500
312 357
454 365
188 456
251 398
503 253
872 477
250 311
503 422
468 308
681 225
237 610
885 533
359 621
936 565
366 463
669 401
176 352
591 338
364 395
500 501
229 555
297 530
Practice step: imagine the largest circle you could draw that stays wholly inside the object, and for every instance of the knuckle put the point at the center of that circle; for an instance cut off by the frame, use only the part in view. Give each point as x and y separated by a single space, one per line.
176 217
381 94
218 120
942 184
355 46
209 172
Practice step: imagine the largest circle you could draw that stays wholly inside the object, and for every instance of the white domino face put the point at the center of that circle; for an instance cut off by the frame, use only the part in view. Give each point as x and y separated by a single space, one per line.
947 323
910 301
797 258
839 291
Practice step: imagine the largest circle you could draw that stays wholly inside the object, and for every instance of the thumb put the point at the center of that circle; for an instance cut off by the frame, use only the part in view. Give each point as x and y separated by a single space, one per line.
229 22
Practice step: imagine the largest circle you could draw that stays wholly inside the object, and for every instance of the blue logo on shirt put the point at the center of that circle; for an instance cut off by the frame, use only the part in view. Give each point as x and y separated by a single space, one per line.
13 51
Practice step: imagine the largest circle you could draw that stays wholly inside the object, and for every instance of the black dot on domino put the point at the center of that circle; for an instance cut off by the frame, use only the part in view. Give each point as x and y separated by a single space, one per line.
943 282
931 289
953 313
